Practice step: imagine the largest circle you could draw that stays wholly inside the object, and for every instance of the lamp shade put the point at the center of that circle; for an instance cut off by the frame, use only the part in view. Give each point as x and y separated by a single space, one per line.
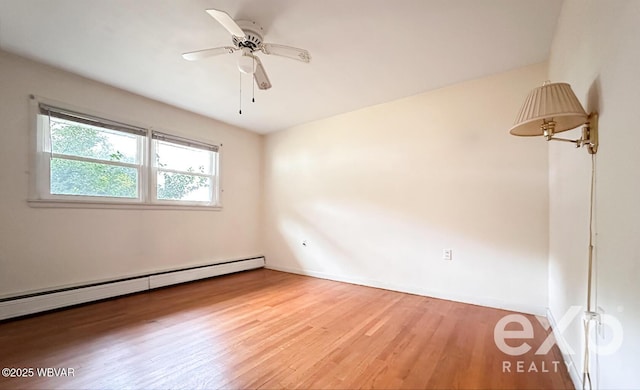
551 102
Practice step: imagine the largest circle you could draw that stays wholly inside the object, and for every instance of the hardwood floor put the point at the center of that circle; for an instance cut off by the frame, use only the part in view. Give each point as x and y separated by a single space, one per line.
267 329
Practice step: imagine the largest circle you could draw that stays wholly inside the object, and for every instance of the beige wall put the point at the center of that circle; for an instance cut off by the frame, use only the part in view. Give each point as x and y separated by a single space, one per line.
597 50
44 248
378 193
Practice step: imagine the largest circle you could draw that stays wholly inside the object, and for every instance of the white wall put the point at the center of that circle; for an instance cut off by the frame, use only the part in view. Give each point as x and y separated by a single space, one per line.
44 248
597 50
379 192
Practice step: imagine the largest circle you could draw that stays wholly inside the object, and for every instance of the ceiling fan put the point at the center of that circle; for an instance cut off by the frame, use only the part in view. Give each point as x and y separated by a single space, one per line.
247 37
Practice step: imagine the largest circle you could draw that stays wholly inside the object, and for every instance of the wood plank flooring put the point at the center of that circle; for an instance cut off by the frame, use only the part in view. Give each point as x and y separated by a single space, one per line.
264 329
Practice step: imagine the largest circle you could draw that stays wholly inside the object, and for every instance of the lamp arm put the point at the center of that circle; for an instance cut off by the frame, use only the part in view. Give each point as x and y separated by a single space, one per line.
578 141
589 134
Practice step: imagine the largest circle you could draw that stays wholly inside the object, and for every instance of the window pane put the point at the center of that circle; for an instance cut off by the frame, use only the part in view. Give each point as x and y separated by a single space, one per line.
183 158
70 177
177 186
77 139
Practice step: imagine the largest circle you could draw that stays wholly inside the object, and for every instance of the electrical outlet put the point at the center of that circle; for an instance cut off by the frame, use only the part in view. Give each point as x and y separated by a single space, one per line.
447 254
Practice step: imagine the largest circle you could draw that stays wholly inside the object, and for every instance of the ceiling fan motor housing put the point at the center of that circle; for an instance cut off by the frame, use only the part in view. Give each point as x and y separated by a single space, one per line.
253 36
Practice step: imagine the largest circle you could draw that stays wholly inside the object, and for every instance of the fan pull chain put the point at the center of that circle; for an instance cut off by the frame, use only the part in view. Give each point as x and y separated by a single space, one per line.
240 103
253 84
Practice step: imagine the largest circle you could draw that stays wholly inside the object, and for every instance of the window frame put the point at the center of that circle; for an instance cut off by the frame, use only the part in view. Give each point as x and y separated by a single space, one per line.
41 154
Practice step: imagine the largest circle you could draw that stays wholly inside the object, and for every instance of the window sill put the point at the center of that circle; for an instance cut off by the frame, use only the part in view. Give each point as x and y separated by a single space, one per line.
53 203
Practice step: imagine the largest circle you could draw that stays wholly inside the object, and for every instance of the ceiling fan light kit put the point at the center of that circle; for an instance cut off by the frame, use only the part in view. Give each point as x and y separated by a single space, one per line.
247 62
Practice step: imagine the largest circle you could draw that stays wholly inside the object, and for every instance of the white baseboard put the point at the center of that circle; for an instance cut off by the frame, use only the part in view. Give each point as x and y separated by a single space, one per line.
170 278
55 300
43 301
480 301
563 346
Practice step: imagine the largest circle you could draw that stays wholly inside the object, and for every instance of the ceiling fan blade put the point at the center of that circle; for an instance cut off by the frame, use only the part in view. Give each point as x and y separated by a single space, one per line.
262 80
200 54
227 22
286 51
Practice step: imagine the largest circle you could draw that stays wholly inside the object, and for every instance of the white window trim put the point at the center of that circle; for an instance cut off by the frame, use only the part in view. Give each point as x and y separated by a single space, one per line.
39 186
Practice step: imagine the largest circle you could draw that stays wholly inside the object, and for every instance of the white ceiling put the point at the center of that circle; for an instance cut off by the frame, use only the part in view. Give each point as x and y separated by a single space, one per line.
364 52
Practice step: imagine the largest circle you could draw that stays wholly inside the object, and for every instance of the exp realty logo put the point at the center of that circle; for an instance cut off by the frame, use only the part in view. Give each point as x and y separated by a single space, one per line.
519 346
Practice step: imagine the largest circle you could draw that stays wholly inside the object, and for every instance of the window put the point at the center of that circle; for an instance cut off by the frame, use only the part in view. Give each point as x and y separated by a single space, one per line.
88 157
85 159
183 170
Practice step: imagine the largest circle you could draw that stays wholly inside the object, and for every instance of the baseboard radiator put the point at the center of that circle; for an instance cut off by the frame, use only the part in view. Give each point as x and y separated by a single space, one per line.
54 299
